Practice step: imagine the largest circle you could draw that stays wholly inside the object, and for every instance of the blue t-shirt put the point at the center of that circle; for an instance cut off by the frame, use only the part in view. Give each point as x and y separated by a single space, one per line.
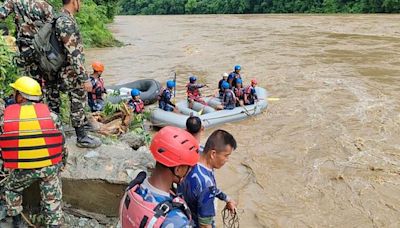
175 218
199 190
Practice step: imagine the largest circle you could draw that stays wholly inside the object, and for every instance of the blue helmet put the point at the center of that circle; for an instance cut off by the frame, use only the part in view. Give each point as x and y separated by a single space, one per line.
170 84
135 92
225 85
239 81
237 67
192 79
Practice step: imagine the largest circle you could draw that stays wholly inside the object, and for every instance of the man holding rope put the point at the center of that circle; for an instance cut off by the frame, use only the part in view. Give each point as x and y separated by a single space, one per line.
200 188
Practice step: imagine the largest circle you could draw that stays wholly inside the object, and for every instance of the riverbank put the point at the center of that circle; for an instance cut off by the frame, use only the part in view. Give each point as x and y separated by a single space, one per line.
330 143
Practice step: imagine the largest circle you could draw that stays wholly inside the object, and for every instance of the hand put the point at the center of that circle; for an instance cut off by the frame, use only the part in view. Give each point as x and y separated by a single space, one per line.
231 206
87 85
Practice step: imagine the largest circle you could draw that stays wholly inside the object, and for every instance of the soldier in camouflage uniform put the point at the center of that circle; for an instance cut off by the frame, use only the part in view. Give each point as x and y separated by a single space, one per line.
27 14
73 73
22 177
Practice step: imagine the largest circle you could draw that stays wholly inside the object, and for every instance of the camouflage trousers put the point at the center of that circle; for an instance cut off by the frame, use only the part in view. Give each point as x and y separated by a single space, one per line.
50 191
52 90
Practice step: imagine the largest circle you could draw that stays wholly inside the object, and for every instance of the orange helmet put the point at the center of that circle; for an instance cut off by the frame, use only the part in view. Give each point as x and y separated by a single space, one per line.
254 81
98 66
173 146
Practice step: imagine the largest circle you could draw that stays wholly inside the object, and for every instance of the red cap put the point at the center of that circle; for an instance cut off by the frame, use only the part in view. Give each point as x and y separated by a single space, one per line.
173 146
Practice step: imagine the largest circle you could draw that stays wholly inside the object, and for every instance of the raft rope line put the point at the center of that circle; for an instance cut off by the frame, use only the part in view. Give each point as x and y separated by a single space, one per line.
230 220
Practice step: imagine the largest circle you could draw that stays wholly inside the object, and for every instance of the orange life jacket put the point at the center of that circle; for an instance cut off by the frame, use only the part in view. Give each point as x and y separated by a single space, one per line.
30 139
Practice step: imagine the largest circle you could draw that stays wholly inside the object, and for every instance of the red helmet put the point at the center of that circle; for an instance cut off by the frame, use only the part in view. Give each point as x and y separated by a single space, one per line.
173 146
254 81
98 66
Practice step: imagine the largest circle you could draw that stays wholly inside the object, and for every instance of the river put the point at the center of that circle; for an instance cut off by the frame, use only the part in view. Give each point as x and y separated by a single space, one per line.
327 154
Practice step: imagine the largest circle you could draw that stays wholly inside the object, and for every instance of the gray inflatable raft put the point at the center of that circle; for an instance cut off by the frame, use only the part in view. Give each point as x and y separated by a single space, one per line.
209 116
149 90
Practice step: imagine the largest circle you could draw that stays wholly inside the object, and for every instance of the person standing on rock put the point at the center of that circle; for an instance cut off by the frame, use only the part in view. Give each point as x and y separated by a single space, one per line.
95 97
73 74
151 202
32 148
199 188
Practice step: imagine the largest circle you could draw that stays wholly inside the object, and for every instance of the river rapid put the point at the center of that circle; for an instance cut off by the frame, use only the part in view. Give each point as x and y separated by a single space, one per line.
327 154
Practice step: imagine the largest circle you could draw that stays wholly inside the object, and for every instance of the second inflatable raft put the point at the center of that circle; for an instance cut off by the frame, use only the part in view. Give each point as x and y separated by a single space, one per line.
209 116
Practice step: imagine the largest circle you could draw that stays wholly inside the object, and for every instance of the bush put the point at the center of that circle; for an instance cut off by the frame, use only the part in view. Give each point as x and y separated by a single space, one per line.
92 20
8 70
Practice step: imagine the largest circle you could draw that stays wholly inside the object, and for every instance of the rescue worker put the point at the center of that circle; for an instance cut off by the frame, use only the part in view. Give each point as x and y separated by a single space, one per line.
194 127
164 100
152 201
228 98
136 104
224 79
72 74
28 13
250 94
193 92
32 147
235 74
239 92
95 97
199 188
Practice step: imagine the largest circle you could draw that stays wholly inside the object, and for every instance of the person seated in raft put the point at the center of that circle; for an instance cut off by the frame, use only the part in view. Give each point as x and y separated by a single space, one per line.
234 75
239 92
164 99
224 79
193 91
136 104
228 100
95 97
250 95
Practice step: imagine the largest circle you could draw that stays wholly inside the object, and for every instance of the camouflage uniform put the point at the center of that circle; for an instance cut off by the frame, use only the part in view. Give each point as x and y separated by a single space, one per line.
49 182
27 13
73 74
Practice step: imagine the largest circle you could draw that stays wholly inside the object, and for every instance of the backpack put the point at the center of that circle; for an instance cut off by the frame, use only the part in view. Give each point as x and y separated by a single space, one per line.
48 49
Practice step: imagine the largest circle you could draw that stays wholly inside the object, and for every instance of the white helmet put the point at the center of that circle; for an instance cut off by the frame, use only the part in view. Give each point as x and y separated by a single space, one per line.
225 75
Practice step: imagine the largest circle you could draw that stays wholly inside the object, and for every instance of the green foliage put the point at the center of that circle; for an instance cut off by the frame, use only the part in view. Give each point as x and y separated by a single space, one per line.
110 108
8 70
65 109
137 126
92 19
257 6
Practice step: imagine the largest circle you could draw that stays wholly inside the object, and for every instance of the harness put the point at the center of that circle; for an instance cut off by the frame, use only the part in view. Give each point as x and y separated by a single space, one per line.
193 91
98 88
230 101
136 212
138 106
30 139
239 92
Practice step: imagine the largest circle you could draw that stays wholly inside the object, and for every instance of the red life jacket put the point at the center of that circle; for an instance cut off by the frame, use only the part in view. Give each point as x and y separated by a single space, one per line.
192 92
98 84
30 139
239 92
136 212
139 106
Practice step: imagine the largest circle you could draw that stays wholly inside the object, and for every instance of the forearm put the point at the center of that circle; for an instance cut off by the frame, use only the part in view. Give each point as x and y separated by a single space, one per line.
222 196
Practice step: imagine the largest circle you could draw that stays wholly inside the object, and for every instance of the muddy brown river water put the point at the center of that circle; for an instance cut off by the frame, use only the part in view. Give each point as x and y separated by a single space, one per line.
327 154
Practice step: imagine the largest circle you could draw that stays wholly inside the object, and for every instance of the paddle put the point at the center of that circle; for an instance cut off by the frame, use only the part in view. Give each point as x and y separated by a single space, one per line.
174 87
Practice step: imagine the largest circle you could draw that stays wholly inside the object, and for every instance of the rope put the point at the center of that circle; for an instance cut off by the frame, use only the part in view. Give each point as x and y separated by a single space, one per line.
27 220
230 220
